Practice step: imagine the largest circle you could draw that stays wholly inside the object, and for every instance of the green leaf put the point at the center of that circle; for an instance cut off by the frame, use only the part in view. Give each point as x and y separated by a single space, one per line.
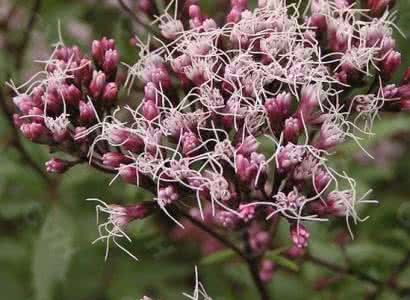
218 257
282 261
52 253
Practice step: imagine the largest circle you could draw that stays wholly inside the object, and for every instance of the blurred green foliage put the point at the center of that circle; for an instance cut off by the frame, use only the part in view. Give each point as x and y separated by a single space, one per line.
46 232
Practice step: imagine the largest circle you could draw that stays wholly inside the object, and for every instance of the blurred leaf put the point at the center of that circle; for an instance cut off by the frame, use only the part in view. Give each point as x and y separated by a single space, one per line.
219 257
283 261
52 253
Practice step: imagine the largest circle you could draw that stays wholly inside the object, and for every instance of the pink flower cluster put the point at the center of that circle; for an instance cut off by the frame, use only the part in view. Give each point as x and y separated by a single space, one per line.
237 119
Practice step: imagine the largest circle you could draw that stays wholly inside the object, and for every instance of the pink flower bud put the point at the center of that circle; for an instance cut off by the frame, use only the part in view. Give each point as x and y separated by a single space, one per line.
234 15
300 235
245 169
296 252
331 135
87 113
405 105
194 11
83 72
267 270
35 132
110 92
18 120
79 135
56 165
321 179
111 60
240 4
150 110
390 64
292 130
150 92
97 51
129 174
289 157
278 108
24 103
247 146
167 195
406 77
127 140
146 6
228 220
309 100
258 240
378 7
97 84
247 212
114 159
71 94
189 143
36 115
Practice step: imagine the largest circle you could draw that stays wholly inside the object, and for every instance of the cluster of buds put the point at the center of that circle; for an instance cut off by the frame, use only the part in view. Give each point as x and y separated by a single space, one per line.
212 96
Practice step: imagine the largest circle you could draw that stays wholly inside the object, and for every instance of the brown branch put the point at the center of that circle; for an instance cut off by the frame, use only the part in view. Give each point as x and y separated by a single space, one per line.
251 261
342 270
21 48
391 281
135 17
17 144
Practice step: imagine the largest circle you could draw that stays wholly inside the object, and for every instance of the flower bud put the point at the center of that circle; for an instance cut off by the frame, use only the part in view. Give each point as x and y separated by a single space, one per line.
278 108
189 143
292 130
129 174
24 103
111 61
56 165
267 269
110 92
114 159
167 195
300 235
87 113
97 84
228 219
150 92
18 120
247 212
390 64
150 110
248 146
36 115
234 15
378 7
79 135
309 100
35 132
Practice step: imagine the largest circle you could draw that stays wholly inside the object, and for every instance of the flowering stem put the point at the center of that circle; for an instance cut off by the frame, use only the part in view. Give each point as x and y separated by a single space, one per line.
212 233
248 258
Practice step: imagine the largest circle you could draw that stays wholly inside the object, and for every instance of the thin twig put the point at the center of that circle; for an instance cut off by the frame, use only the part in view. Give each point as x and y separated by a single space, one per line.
16 142
21 48
343 270
251 261
391 281
135 17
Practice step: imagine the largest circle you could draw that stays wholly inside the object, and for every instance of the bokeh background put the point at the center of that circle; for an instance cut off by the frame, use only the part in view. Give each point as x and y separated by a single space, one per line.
47 226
